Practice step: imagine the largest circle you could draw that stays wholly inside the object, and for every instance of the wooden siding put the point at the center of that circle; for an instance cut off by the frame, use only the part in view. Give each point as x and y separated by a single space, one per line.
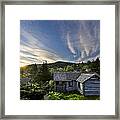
65 87
91 87
73 87
86 84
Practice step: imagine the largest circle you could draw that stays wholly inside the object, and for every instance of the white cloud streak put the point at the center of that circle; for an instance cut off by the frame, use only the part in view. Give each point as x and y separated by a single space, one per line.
85 44
33 51
70 45
88 43
82 43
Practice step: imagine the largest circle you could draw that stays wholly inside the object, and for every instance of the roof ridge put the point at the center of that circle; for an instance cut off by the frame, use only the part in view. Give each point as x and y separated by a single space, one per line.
87 76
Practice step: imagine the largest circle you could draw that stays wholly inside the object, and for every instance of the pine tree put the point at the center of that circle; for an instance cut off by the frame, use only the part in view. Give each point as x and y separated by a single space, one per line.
45 74
33 72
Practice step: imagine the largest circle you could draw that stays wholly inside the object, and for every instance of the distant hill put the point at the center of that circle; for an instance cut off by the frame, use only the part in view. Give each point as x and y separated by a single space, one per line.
89 66
58 64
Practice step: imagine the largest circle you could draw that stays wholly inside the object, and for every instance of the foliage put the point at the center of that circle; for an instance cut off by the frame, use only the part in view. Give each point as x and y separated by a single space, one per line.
70 96
42 83
39 85
69 68
31 91
35 91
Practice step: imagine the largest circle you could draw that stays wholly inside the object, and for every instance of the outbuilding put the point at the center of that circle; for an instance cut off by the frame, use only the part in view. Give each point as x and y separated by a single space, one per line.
89 84
65 81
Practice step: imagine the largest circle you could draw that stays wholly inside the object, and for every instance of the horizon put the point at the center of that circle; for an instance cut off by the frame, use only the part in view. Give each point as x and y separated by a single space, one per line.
59 40
63 62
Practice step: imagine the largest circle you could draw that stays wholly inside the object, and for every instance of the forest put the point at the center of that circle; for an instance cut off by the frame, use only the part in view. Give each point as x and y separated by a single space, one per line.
40 85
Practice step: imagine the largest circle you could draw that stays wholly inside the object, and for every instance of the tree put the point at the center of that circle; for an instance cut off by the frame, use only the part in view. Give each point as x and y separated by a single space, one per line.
88 62
40 82
52 70
60 69
69 68
95 66
85 68
45 74
21 72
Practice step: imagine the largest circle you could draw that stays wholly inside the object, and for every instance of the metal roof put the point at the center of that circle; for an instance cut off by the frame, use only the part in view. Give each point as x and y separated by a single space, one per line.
66 76
83 77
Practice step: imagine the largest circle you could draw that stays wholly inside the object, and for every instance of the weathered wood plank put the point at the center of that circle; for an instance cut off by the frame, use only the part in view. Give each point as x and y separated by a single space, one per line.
91 89
92 93
92 81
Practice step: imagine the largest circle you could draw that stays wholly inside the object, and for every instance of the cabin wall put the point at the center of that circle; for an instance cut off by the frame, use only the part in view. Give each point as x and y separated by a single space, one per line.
71 87
91 87
65 86
60 86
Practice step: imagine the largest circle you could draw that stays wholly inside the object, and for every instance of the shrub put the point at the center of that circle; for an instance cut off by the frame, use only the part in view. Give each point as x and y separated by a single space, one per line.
69 96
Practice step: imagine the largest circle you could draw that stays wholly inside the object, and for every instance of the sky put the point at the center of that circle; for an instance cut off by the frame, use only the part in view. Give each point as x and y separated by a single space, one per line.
59 40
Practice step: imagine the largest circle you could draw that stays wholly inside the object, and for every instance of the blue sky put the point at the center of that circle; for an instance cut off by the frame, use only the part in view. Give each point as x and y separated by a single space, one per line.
59 40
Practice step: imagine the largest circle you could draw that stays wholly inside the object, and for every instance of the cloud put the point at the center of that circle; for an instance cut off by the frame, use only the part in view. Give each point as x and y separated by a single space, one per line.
31 40
89 40
33 50
70 44
79 40
82 38
39 56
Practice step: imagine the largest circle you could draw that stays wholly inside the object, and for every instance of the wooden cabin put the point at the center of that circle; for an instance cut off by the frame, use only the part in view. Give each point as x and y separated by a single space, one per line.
86 84
65 81
89 84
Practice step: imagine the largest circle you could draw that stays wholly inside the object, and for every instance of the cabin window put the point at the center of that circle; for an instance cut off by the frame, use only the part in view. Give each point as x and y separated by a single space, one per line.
71 84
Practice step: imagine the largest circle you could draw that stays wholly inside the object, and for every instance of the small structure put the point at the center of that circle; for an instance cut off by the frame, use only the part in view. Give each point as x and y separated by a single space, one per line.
89 84
66 81
86 84
24 81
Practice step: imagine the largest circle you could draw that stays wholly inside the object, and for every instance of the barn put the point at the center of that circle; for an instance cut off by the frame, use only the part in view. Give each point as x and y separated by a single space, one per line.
89 84
66 81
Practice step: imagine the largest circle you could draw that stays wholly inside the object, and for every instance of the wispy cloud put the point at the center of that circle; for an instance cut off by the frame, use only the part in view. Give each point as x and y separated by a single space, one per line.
34 51
84 42
31 40
89 41
70 44
59 40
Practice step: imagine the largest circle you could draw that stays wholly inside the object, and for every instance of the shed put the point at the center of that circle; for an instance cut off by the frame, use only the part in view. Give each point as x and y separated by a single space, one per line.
89 84
66 81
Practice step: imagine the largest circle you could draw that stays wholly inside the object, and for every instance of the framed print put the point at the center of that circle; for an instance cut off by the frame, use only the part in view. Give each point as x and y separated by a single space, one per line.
59 60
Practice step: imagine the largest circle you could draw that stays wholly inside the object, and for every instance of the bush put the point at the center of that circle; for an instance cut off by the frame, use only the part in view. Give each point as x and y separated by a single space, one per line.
69 96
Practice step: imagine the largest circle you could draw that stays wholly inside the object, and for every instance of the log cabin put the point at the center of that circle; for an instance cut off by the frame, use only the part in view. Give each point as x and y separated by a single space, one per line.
65 81
86 84
89 84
